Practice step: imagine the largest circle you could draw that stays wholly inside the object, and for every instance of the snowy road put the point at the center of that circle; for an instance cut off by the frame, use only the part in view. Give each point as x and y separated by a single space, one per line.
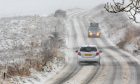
117 66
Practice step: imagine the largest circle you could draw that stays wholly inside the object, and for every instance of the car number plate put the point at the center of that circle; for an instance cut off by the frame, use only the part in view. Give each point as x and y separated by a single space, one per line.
88 54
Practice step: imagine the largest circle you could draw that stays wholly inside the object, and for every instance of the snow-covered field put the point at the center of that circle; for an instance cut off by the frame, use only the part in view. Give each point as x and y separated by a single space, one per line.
39 77
23 38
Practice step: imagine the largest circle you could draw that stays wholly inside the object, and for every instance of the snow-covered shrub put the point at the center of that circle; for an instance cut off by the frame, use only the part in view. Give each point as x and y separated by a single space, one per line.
18 70
29 42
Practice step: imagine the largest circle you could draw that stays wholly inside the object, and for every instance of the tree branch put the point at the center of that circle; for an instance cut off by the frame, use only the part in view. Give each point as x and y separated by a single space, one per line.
133 5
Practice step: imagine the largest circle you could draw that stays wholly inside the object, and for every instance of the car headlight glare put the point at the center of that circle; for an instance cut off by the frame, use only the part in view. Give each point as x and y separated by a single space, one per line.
97 33
90 33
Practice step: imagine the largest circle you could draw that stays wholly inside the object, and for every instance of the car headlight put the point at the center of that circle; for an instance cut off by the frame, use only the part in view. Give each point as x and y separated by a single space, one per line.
97 33
90 33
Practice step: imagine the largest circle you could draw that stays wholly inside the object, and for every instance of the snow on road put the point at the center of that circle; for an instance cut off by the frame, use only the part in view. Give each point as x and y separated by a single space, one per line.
116 66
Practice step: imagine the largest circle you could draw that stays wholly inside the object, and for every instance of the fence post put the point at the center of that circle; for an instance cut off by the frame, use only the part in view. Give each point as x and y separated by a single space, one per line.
4 75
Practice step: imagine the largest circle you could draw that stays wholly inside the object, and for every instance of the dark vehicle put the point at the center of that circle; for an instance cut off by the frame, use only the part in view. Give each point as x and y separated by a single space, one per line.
94 31
60 13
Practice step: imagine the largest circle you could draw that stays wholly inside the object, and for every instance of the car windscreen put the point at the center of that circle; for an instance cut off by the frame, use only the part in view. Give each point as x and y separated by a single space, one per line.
88 49
93 29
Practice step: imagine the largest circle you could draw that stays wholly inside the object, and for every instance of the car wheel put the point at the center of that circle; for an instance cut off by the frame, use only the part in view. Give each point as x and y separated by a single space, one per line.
96 63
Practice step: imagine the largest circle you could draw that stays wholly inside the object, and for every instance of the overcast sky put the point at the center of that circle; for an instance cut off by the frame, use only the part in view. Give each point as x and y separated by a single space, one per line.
42 7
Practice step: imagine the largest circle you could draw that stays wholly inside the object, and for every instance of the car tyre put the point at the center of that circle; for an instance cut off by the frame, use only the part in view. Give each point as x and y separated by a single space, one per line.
97 63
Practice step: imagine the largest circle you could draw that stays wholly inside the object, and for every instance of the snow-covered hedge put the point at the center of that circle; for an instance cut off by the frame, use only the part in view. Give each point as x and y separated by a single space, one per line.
25 43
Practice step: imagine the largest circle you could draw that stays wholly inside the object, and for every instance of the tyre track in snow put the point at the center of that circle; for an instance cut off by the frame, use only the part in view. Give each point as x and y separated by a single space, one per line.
132 72
124 73
91 76
128 59
70 67
119 76
81 43
86 20
84 32
111 82
99 71
74 70
117 65
120 68
133 64
77 68
115 75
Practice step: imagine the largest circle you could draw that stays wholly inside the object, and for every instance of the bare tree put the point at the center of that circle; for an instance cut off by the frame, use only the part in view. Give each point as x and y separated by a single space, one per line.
131 6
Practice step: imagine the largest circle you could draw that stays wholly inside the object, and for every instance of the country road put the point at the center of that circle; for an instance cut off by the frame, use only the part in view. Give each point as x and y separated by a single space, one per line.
117 66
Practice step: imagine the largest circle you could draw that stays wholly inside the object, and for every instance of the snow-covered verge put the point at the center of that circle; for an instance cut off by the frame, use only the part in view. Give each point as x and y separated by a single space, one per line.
31 48
37 77
118 28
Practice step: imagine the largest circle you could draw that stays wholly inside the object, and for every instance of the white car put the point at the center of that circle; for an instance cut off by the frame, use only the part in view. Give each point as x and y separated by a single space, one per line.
88 53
